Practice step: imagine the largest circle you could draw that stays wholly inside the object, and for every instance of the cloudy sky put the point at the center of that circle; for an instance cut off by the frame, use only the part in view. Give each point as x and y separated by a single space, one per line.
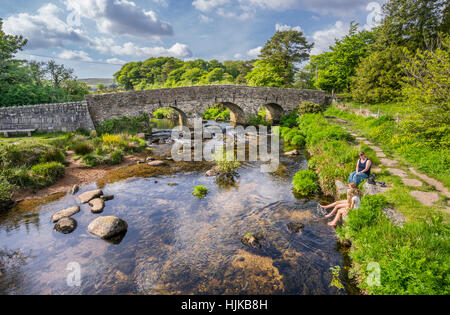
96 36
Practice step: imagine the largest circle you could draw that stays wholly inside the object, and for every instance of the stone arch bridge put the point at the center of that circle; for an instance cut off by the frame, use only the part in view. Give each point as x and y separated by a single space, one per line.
193 101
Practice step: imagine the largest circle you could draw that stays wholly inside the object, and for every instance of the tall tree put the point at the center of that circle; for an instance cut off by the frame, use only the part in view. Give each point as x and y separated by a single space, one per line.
59 73
286 49
414 24
335 68
9 46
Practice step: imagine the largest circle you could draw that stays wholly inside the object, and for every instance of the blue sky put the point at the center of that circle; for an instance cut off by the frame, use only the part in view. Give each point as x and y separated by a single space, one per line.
96 36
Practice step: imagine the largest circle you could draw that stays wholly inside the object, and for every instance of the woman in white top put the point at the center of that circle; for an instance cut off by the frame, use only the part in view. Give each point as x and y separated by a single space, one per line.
353 202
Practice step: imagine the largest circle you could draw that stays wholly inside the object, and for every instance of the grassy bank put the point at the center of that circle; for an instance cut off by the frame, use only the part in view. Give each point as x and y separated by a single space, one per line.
412 259
420 152
39 161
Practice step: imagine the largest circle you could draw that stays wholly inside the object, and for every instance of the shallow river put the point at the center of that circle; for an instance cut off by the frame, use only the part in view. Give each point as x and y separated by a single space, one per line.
176 243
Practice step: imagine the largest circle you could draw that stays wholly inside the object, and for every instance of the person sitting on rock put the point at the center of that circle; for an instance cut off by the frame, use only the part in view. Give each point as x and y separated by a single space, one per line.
362 172
353 202
342 204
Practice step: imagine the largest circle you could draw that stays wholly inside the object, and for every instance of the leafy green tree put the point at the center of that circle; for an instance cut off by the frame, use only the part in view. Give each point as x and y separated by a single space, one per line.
304 79
427 90
59 73
335 68
414 24
37 71
378 77
284 50
267 73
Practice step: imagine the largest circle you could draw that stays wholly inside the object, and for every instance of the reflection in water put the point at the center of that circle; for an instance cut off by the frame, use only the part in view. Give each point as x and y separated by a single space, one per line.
178 244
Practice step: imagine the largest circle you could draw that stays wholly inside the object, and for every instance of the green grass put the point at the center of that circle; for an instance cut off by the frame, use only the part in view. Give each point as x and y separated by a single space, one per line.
432 160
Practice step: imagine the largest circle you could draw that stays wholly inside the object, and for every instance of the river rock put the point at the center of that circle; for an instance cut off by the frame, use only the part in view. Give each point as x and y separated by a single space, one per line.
341 188
158 163
89 195
370 189
107 227
212 172
292 153
66 225
295 227
107 197
66 213
149 159
97 205
74 189
252 240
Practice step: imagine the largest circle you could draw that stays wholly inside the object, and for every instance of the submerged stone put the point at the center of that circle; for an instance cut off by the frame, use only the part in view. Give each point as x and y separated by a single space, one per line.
158 163
66 225
252 240
295 227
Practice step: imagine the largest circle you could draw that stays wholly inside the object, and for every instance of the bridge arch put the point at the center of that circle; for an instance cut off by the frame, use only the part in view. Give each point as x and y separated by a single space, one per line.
182 117
273 112
237 115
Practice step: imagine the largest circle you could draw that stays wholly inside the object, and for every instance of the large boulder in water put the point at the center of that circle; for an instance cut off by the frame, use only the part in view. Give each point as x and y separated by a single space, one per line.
107 227
66 213
89 195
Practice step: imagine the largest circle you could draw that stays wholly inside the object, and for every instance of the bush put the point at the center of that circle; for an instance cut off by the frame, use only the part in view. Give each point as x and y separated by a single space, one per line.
6 193
298 140
82 147
289 120
131 125
53 154
305 183
25 153
308 107
45 174
114 158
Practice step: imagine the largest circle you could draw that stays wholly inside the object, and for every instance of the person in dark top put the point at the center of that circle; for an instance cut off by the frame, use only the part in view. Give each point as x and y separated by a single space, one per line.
362 172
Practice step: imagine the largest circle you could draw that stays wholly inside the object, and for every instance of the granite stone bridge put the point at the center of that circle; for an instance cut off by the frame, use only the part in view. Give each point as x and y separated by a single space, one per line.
189 102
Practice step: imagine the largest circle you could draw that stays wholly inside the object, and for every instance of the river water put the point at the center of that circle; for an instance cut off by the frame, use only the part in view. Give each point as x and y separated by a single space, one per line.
176 243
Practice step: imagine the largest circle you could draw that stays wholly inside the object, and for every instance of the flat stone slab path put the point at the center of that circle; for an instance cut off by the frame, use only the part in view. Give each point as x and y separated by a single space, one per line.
388 162
397 172
426 198
381 155
432 182
412 182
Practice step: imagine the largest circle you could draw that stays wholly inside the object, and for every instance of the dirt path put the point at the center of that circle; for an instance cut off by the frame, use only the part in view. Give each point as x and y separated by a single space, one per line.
425 198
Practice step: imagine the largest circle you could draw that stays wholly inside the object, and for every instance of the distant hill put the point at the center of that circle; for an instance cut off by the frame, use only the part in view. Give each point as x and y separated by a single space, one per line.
92 83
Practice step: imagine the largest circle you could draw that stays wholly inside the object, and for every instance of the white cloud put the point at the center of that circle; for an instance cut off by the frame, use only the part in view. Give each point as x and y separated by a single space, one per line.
121 17
255 52
75 55
116 61
208 5
323 39
109 47
205 19
282 28
43 29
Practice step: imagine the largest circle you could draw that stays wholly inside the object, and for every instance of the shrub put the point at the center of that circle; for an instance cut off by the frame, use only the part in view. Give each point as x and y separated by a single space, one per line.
111 141
289 120
45 174
6 193
116 157
308 107
92 159
53 154
82 147
305 183
200 191
24 153
129 125
298 140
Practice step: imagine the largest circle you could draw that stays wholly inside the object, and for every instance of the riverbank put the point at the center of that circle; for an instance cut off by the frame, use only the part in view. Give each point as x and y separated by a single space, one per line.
409 259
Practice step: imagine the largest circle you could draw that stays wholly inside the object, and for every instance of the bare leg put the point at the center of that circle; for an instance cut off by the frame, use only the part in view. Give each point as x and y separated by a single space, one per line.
340 214
333 204
338 207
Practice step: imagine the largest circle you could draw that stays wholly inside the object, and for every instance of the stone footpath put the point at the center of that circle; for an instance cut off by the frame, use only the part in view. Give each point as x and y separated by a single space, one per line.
425 198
